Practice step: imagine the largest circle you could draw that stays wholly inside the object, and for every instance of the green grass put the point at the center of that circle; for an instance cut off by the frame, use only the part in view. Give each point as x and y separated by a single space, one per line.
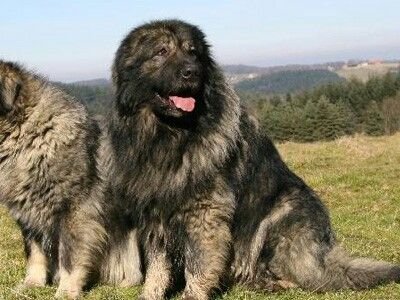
358 178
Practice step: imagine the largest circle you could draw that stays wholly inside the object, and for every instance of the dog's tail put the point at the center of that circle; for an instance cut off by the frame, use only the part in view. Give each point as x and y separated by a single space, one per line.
122 264
337 270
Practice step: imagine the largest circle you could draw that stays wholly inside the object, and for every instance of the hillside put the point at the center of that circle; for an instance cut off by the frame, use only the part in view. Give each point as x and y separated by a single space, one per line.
364 72
245 69
357 179
93 82
288 81
237 73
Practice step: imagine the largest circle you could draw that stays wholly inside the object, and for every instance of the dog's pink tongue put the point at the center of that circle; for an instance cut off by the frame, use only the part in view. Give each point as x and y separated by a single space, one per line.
186 104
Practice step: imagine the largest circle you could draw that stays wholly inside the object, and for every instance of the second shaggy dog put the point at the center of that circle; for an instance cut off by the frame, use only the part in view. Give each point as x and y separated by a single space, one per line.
54 180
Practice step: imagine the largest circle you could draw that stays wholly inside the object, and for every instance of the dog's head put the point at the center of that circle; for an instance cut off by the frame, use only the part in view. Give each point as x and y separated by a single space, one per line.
162 65
10 86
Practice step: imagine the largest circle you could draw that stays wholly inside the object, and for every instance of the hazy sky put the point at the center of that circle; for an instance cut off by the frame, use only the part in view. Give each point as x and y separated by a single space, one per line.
74 40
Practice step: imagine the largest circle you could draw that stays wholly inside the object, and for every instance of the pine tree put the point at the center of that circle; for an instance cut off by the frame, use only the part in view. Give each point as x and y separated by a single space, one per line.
326 121
276 100
391 114
288 97
310 124
328 124
373 120
346 118
389 86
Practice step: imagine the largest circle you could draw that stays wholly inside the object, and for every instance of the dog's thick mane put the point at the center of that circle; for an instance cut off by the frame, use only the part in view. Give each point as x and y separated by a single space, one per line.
157 149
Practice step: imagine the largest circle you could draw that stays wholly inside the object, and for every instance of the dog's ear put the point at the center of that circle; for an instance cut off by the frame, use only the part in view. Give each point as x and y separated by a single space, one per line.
9 92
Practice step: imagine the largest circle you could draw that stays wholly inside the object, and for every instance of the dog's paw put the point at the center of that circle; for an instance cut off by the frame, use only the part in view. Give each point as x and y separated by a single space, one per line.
135 280
191 296
143 297
150 297
188 297
30 282
67 294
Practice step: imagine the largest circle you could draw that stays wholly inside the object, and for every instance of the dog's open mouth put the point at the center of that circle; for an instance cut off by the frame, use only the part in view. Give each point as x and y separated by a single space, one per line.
183 103
186 104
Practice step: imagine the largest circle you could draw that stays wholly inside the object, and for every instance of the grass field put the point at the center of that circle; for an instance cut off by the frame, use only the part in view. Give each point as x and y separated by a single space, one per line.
358 178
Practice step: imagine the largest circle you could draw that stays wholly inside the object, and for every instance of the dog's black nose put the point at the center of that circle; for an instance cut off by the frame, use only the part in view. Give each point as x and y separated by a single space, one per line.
187 72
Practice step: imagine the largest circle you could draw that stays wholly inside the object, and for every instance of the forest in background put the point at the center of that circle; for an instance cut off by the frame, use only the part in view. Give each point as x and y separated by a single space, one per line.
300 105
331 110
96 97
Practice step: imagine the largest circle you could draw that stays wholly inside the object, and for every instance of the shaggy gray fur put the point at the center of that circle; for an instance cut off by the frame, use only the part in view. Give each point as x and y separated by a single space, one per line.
211 197
53 179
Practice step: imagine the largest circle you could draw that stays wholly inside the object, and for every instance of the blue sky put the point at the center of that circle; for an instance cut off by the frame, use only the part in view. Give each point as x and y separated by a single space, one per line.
74 40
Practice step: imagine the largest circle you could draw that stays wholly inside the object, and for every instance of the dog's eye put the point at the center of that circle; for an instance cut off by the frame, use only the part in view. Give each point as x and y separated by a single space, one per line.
162 52
192 50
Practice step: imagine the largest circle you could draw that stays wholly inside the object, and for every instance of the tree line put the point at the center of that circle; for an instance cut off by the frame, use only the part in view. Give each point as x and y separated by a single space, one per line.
331 110
96 98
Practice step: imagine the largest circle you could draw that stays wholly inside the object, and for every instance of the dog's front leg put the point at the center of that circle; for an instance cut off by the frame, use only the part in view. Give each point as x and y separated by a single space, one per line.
207 246
37 264
158 273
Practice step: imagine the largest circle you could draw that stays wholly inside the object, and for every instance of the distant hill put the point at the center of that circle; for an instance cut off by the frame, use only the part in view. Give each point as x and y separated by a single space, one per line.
237 73
364 71
93 82
243 69
288 81
246 69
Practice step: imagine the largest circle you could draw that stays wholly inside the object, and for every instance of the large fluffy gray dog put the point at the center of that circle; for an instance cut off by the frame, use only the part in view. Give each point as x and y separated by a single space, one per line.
54 167
209 193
